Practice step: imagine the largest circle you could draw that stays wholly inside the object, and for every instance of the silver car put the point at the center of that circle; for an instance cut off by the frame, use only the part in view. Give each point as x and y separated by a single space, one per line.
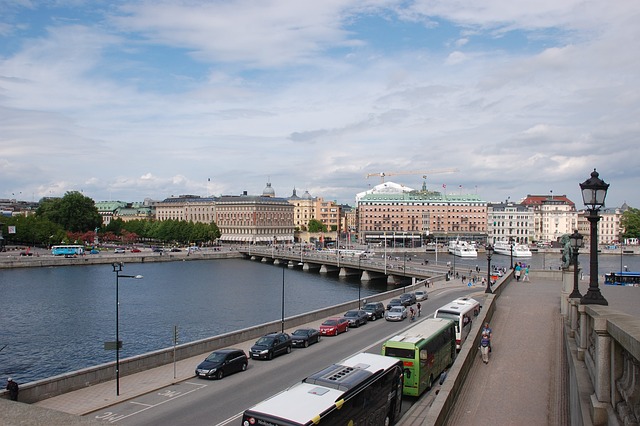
396 313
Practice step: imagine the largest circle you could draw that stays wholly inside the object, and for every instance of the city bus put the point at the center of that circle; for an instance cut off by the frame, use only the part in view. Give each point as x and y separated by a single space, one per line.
461 311
624 278
426 350
363 389
67 250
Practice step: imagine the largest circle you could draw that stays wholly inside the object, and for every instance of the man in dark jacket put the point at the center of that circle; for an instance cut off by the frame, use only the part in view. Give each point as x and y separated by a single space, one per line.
12 387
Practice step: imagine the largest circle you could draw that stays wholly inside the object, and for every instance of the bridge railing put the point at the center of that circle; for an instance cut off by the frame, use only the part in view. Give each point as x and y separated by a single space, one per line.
603 348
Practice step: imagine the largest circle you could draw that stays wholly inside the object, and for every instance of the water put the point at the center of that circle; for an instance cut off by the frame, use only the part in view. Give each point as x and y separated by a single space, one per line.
55 320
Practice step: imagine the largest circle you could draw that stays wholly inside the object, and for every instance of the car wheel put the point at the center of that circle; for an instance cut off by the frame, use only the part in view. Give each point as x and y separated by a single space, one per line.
244 367
373 318
318 339
346 329
270 356
219 375
306 343
288 349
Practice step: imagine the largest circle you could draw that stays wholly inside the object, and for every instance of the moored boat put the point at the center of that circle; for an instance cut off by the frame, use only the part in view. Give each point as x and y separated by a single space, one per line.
519 250
462 249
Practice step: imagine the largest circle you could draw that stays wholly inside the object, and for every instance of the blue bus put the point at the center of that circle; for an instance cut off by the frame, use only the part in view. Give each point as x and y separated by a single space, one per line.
624 278
67 250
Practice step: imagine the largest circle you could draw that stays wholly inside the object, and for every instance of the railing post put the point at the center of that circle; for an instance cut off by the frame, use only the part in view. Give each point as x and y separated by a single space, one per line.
582 333
602 375
573 317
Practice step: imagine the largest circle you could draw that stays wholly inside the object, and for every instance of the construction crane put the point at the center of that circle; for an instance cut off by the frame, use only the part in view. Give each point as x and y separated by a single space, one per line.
414 172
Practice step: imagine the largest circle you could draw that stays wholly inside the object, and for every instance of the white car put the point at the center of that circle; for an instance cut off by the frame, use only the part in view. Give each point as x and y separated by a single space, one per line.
396 313
421 295
119 250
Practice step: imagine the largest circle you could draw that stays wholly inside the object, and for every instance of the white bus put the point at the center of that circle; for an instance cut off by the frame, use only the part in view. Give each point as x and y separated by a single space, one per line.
363 389
462 311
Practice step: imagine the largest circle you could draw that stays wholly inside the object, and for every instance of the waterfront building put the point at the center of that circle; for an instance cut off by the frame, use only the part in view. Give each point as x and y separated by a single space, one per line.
609 228
400 216
307 207
189 208
510 220
108 209
255 219
554 216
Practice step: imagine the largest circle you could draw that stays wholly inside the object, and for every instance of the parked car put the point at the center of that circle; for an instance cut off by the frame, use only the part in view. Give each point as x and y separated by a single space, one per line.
334 326
421 295
303 337
394 302
374 310
135 250
175 250
396 313
408 299
119 250
222 363
271 345
157 249
356 317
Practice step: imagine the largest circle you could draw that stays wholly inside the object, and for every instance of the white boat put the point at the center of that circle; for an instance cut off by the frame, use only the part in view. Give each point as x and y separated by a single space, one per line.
519 250
462 249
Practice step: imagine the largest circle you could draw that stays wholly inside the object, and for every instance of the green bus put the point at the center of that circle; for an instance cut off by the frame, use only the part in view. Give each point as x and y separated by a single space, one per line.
426 350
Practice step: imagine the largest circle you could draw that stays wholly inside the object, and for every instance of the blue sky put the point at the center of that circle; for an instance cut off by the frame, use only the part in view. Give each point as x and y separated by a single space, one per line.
126 100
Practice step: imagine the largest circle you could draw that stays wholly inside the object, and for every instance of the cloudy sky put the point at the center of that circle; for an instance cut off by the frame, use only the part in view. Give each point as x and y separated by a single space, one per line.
126 100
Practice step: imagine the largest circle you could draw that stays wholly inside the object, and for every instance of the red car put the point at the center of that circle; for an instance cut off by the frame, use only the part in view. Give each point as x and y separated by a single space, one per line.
135 250
334 326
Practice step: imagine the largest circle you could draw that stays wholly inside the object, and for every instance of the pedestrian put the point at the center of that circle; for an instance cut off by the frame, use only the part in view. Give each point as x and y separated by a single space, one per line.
517 271
13 389
485 348
489 332
412 313
526 273
419 308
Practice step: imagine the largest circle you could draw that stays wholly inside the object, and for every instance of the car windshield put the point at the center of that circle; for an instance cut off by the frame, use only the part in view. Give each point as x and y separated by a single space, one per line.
300 333
264 341
330 322
351 314
398 310
215 357
369 307
395 301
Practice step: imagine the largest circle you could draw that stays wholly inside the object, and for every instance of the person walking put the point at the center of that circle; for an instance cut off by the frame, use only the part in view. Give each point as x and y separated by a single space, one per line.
13 389
525 277
484 347
419 308
488 331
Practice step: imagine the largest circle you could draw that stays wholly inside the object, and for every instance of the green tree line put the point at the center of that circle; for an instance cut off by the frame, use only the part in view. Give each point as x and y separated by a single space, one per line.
74 219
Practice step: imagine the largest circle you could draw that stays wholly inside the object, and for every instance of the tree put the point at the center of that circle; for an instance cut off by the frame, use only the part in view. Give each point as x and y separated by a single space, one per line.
630 222
74 212
316 226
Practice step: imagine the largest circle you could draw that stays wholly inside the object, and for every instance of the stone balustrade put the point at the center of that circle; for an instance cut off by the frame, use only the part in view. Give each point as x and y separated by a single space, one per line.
603 349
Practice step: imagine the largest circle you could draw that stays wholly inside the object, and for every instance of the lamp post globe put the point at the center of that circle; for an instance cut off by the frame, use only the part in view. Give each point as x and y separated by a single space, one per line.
594 192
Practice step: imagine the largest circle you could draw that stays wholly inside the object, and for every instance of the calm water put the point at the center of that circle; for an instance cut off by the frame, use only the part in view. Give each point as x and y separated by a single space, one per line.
56 320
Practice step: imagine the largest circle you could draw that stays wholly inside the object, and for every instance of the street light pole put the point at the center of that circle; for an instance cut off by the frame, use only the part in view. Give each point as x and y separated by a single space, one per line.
511 247
576 242
359 279
489 250
117 268
282 323
594 191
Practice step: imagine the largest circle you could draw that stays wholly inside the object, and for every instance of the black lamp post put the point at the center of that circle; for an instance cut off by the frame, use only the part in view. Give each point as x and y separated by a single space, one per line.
576 240
594 191
359 279
489 250
511 247
117 268
284 265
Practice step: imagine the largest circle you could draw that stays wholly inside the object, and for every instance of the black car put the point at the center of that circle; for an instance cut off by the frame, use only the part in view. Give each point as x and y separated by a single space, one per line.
303 337
374 310
271 345
356 317
408 299
222 363
394 302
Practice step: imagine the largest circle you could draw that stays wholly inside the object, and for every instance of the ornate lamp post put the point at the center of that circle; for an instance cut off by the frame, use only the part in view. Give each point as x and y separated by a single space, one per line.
576 242
489 250
511 247
284 265
117 268
594 191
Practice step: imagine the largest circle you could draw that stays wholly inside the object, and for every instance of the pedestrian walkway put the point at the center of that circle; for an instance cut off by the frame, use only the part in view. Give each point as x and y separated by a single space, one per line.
524 382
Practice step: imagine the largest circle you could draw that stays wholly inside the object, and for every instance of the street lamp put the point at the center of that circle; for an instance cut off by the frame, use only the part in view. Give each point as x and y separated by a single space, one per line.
117 268
594 191
511 247
489 250
359 279
576 240
284 265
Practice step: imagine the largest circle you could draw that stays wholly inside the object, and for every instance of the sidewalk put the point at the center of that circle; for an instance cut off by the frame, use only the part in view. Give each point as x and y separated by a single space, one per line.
524 382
